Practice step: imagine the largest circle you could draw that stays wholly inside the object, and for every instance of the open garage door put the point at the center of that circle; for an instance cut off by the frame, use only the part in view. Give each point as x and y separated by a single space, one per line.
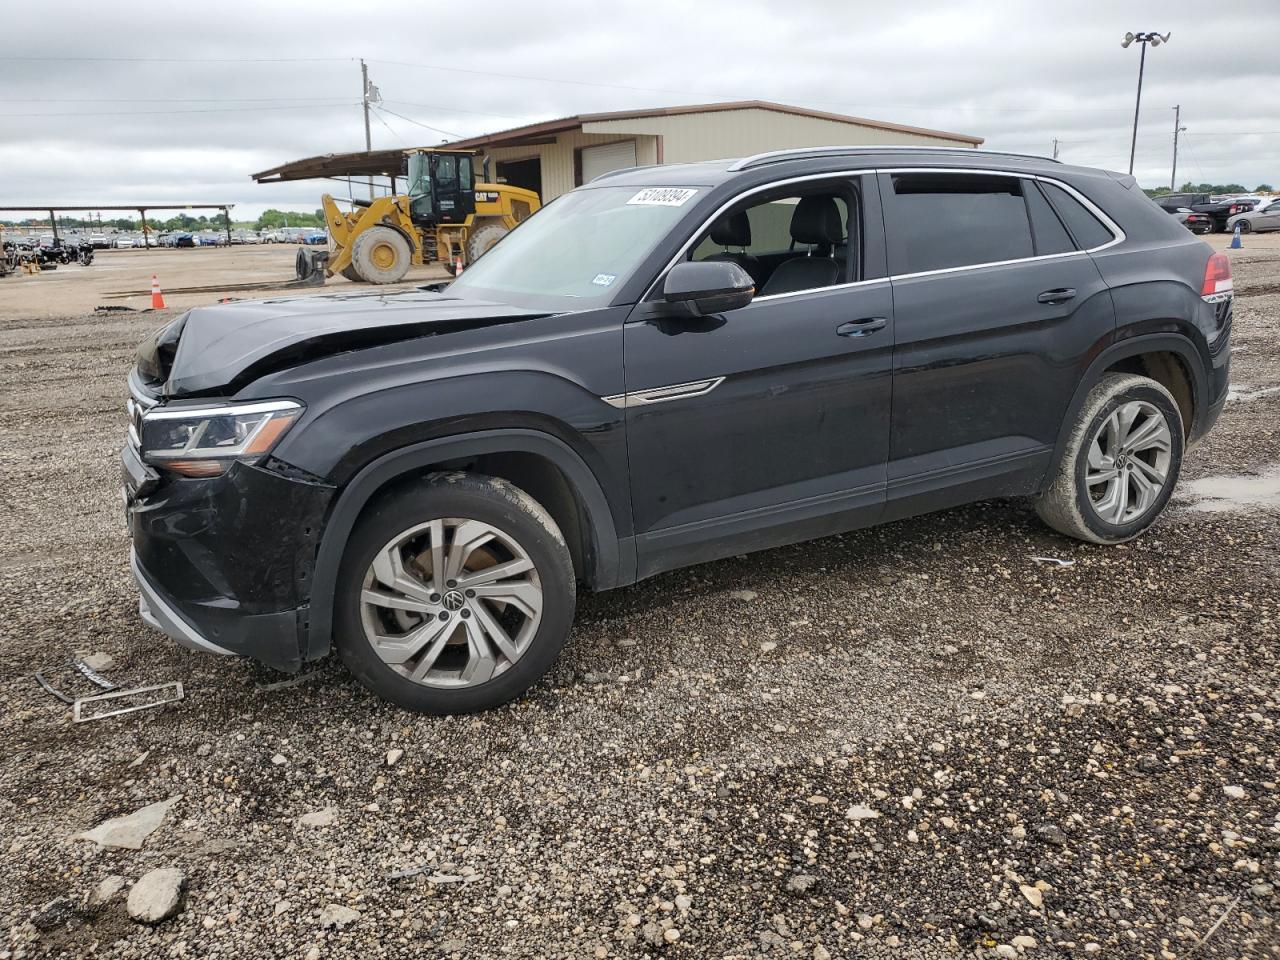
610 156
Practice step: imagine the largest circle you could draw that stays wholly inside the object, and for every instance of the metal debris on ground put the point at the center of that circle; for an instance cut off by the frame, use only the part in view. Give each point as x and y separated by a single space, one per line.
93 676
114 308
83 710
50 688
1054 561
285 684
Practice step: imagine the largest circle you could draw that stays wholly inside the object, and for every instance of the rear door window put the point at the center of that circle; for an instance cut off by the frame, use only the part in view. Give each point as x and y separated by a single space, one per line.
1084 226
940 221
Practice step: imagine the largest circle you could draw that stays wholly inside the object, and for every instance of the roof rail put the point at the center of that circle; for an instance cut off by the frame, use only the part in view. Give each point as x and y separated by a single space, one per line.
613 173
807 153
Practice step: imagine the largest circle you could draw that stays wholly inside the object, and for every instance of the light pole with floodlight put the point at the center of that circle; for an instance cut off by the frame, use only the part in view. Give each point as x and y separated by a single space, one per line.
1155 40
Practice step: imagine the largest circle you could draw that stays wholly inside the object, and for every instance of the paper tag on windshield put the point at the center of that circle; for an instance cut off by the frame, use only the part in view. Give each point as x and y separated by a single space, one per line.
662 197
604 279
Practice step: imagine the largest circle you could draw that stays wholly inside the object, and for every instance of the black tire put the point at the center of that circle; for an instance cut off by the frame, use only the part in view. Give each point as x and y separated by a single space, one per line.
457 495
483 238
1244 225
350 272
1066 505
381 255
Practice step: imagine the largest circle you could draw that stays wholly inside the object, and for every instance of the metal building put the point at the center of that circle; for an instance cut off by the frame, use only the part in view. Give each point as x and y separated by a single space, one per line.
555 156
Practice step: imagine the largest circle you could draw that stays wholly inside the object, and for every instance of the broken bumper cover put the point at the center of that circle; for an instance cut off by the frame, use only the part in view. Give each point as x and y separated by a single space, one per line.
224 564
155 611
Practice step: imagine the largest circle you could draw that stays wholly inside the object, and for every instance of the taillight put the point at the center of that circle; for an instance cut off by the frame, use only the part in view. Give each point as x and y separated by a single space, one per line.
1217 279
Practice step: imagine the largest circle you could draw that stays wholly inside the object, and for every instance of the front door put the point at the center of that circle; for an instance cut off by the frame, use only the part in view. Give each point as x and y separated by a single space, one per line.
768 424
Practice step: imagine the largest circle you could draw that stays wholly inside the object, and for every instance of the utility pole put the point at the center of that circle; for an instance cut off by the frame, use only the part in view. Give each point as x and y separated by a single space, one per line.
364 97
1055 148
1177 129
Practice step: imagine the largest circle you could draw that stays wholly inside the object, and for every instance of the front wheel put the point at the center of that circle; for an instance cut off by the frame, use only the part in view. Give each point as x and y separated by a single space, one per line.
455 595
1120 463
1244 226
381 255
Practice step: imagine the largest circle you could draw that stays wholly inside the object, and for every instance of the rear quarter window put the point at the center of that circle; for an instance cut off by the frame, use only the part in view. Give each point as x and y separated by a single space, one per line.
1087 229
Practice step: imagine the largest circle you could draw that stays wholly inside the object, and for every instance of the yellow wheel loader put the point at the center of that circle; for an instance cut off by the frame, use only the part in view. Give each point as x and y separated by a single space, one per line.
445 217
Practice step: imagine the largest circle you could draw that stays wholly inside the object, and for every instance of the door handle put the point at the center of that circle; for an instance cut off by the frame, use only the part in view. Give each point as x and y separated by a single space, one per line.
1061 295
863 327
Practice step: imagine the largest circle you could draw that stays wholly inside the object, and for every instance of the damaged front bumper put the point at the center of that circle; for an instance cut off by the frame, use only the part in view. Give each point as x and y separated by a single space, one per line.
224 564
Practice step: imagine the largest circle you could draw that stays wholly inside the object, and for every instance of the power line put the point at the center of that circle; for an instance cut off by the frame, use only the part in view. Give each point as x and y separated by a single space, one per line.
162 113
721 95
447 133
176 59
378 116
180 99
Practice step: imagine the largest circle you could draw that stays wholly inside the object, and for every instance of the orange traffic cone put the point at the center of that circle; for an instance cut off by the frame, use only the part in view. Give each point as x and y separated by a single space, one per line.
157 298
457 266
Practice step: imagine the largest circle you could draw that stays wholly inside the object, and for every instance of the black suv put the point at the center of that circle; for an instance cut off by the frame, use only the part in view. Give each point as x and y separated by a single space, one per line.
668 365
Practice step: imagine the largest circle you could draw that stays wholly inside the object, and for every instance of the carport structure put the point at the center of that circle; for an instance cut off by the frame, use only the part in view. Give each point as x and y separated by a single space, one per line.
53 209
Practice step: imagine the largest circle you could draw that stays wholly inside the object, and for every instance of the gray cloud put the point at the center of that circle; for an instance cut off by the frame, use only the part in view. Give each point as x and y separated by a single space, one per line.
1018 73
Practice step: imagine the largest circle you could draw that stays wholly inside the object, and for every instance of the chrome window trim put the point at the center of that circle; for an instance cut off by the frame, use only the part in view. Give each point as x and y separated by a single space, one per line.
1118 234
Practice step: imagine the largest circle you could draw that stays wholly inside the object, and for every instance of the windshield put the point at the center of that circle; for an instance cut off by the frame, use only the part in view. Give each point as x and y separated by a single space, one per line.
577 251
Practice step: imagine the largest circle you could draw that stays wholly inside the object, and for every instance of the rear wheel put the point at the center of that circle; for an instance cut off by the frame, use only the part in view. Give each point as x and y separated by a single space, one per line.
1120 464
350 272
380 255
456 595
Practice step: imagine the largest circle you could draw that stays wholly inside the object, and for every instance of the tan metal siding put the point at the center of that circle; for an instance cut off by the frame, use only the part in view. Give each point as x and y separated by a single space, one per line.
739 133
557 158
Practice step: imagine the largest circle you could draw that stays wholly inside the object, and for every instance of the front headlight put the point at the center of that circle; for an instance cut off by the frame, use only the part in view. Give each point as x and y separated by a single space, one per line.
205 441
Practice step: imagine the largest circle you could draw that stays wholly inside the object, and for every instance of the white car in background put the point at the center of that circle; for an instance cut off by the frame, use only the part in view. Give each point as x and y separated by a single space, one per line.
123 243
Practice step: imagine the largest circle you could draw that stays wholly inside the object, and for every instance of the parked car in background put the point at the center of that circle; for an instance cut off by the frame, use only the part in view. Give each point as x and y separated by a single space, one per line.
1257 220
1198 223
666 366
1217 209
183 240
99 241
123 243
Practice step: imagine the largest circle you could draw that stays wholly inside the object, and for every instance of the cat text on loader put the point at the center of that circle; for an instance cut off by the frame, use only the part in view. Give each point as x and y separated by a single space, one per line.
445 216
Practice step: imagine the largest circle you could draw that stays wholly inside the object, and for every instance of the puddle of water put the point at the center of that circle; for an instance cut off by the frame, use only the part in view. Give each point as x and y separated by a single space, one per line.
1242 391
1221 494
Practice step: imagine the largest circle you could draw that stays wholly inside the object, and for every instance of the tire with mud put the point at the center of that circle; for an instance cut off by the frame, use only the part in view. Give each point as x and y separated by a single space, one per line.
381 255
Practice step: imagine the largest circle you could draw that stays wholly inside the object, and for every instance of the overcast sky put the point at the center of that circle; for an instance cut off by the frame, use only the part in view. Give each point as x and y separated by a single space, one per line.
153 121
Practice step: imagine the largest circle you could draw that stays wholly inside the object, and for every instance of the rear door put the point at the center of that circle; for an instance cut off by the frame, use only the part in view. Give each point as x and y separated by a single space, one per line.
996 310
768 424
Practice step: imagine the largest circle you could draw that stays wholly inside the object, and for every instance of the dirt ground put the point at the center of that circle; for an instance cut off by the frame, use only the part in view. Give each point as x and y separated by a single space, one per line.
74 290
911 741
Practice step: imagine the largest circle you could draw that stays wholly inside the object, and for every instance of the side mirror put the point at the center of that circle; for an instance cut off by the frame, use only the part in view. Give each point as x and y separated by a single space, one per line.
708 286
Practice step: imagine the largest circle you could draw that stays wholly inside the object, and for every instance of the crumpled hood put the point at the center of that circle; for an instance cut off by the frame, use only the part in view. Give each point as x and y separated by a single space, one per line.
232 343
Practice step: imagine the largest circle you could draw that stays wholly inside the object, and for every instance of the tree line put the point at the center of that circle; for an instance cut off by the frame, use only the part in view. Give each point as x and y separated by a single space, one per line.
1190 187
270 220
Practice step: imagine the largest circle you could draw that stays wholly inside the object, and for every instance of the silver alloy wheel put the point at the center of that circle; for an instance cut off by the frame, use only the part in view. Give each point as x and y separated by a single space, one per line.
451 602
1129 459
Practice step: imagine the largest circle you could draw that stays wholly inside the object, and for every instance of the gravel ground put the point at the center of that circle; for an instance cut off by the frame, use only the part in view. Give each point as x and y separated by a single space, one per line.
910 741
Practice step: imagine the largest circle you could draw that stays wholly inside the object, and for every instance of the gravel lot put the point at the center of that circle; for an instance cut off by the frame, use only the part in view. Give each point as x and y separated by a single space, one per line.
912 741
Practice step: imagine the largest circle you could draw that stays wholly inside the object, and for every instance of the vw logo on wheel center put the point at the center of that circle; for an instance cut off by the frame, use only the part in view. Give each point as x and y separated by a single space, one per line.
454 600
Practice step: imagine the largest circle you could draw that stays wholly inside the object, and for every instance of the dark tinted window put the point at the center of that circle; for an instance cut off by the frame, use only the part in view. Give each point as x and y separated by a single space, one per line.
955 220
1050 235
1084 226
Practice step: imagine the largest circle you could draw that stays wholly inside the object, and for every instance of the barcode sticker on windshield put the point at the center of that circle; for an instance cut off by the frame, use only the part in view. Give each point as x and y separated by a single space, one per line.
662 197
